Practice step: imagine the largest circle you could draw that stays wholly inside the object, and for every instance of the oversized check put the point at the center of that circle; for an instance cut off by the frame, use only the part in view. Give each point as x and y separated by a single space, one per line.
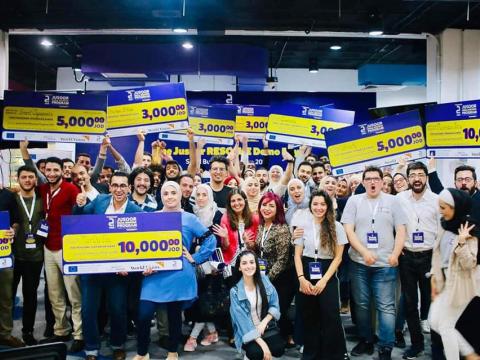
379 142
153 109
6 259
56 117
305 125
133 242
214 124
453 130
252 120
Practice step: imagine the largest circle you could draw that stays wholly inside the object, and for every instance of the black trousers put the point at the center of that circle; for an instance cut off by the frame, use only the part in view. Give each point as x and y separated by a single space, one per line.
286 285
29 272
413 266
275 343
323 334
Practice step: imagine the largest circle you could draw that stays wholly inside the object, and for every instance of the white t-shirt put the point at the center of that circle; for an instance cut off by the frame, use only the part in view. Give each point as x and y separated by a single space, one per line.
252 299
310 241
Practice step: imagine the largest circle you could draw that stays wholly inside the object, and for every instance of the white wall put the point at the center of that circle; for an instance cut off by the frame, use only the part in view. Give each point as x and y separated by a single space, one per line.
405 96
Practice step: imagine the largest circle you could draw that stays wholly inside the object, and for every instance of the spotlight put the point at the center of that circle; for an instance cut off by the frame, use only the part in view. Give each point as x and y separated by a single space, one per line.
335 47
46 43
187 45
180 30
375 33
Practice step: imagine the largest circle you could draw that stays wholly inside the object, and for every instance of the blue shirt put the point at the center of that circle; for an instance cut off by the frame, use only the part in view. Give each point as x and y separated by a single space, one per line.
180 285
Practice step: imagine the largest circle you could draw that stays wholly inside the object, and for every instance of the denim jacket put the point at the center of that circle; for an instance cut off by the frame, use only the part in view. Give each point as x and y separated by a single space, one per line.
243 327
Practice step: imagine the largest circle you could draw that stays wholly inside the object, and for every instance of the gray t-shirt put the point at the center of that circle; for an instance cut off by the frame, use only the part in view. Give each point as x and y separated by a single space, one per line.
446 247
386 212
303 219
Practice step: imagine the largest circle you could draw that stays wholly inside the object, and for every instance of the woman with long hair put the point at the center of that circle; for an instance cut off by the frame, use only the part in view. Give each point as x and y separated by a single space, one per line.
173 290
274 248
238 227
254 304
319 242
456 273
207 212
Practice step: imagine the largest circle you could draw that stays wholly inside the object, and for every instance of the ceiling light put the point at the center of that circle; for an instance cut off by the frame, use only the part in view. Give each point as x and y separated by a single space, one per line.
180 30
375 33
187 45
313 65
46 43
335 47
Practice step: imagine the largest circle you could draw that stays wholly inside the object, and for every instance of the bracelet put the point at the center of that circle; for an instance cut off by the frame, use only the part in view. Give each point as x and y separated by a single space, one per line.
301 276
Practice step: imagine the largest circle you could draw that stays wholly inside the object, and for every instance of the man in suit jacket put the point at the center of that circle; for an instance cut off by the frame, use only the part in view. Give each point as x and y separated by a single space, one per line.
115 285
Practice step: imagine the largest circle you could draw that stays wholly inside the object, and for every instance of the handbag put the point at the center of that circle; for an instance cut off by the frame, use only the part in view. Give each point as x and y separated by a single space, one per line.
271 330
214 299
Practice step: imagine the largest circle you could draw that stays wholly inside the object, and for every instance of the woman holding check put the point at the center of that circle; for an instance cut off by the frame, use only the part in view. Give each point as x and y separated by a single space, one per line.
319 241
177 289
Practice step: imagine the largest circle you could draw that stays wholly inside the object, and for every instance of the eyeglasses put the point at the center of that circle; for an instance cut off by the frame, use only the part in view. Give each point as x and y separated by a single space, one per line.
465 179
375 179
420 176
119 186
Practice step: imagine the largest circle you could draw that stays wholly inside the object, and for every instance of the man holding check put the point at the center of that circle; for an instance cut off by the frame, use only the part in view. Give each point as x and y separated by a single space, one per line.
115 285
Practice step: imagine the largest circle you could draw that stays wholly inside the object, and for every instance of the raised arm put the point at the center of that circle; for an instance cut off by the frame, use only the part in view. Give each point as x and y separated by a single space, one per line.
29 162
192 153
140 149
119 160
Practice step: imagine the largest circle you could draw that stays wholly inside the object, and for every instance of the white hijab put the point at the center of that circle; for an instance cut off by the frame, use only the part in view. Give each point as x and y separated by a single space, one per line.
179 194
206 213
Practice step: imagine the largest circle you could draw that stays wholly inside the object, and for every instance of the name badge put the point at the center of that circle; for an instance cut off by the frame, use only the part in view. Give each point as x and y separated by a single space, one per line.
418 238
30 242
315 270
43 229
263 266
372 240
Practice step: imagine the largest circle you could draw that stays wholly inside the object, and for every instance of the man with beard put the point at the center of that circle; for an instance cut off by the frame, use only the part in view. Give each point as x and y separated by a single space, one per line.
141 181
67 165
114 285
172 170
58 198
218 173
465 179
105 175
421 206
28 249
375 227
262 176
81 177
318 172
158 178
186 186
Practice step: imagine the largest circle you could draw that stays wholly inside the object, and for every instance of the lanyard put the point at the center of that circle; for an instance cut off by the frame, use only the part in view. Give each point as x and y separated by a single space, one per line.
416 215
241 231
373 212
49 200
317 239
28 213
265 234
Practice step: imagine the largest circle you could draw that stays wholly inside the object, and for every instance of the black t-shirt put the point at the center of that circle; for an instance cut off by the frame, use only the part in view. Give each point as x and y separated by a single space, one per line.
220 197
8 203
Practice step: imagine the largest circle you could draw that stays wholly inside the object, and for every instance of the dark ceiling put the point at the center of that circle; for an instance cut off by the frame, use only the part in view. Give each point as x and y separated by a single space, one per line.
35 66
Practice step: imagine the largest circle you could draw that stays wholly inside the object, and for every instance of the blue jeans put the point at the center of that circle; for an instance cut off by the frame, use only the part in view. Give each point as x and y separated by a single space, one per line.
381 283
115 287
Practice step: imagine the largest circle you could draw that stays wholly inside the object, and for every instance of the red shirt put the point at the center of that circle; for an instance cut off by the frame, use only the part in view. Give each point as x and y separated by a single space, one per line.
60 204
230 252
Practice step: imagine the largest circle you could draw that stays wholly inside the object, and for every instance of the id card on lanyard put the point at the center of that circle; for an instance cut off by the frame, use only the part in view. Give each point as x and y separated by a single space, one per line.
418 238
29 237
261 261
315 267
43 230
372 236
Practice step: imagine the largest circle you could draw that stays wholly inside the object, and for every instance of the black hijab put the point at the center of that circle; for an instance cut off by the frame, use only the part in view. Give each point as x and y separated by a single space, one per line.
463 207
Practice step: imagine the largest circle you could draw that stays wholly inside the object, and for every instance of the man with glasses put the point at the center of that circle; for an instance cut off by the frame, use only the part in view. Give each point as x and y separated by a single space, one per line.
421 206
114 285
375 227
218 173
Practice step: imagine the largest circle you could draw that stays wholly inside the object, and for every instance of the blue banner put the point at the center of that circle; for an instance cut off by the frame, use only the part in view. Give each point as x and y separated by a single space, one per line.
305 125
122 242
6 258
453 130
153 109
378 142
56 117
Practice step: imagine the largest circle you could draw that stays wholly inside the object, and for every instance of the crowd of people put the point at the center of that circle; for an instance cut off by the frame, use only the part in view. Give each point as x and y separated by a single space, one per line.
387 247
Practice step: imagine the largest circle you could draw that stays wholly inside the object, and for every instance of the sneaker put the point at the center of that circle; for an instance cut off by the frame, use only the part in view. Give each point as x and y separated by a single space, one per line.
190 345
29 339
210 339
384 354
11 341
362 347
400 340
412 353
425 326
77 346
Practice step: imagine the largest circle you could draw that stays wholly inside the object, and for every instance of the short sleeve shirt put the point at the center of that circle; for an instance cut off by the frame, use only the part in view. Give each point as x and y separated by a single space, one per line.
310 241
386 213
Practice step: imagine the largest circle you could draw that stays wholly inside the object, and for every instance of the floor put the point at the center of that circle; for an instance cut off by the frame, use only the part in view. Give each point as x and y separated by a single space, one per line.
216 351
